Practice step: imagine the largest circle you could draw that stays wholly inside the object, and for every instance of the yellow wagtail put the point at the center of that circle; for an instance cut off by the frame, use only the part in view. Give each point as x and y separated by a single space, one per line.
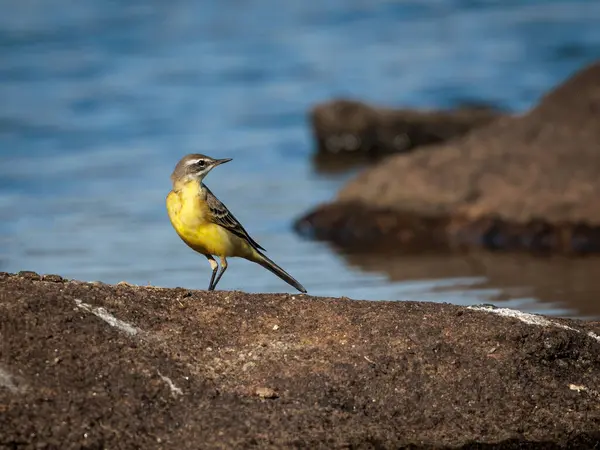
206 225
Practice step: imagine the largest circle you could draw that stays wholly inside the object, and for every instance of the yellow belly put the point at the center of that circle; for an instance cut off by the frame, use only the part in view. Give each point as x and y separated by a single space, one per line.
189 217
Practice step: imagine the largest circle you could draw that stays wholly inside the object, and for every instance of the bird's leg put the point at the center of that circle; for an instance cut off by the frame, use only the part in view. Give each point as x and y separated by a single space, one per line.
223 269
214 266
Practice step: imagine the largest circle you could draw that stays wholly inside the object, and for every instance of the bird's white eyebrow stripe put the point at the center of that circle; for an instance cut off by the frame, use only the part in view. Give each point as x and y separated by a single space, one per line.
193 161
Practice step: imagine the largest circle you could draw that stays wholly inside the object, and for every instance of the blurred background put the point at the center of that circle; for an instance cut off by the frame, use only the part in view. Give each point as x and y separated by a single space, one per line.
99 100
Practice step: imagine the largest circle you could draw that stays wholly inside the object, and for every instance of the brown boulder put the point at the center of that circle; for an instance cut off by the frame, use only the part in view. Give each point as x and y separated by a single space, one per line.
88 365
530 181
347 130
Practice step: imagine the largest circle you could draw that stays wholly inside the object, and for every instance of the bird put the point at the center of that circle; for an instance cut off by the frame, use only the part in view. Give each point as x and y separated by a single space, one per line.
207 226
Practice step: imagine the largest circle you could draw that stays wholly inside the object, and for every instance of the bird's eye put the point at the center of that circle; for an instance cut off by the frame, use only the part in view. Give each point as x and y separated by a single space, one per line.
201 163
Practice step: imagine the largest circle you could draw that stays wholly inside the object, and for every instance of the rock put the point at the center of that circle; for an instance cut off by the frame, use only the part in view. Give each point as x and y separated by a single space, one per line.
349 129
53 278
266 393
527 182
29 274
352 374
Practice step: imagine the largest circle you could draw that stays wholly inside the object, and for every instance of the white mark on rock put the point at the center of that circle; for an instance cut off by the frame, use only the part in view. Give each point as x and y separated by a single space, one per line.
6 381
593 335
582 388
174 389
531 319
108 318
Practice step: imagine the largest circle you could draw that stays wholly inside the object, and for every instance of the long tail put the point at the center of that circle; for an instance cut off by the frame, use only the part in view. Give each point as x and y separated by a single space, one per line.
268 264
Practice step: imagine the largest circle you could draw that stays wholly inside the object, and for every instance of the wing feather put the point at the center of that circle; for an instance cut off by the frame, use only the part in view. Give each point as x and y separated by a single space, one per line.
223 217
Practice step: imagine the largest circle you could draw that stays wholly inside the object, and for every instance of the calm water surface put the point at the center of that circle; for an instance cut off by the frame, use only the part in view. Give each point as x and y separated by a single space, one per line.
98 101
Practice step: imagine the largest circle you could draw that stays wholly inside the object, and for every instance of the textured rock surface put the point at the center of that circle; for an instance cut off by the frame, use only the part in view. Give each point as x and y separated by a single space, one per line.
86 365
530 181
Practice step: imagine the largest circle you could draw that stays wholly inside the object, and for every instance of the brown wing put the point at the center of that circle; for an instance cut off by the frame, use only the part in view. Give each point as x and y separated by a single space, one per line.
222 216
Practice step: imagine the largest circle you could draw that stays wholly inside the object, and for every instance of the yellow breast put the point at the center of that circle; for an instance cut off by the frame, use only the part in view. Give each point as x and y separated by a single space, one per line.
190 217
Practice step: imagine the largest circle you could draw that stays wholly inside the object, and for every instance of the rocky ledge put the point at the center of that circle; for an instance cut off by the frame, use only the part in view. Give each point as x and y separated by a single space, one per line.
89 365
521 182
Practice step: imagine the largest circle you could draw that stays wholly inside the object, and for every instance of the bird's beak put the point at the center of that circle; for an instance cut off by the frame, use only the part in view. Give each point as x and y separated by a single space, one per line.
218 162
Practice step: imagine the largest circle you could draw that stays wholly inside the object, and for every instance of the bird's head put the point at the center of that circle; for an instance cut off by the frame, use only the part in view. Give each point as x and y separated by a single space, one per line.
194 167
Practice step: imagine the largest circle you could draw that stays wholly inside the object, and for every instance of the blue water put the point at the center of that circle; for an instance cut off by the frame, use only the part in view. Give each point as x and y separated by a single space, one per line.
98 101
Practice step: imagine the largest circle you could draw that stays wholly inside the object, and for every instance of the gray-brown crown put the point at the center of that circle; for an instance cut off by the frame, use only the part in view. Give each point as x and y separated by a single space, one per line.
195 165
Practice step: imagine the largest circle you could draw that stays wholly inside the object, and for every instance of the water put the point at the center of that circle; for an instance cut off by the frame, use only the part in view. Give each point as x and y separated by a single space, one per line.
98 101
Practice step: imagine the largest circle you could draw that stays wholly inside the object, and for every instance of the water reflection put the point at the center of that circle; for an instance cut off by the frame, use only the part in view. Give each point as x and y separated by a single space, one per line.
554 285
